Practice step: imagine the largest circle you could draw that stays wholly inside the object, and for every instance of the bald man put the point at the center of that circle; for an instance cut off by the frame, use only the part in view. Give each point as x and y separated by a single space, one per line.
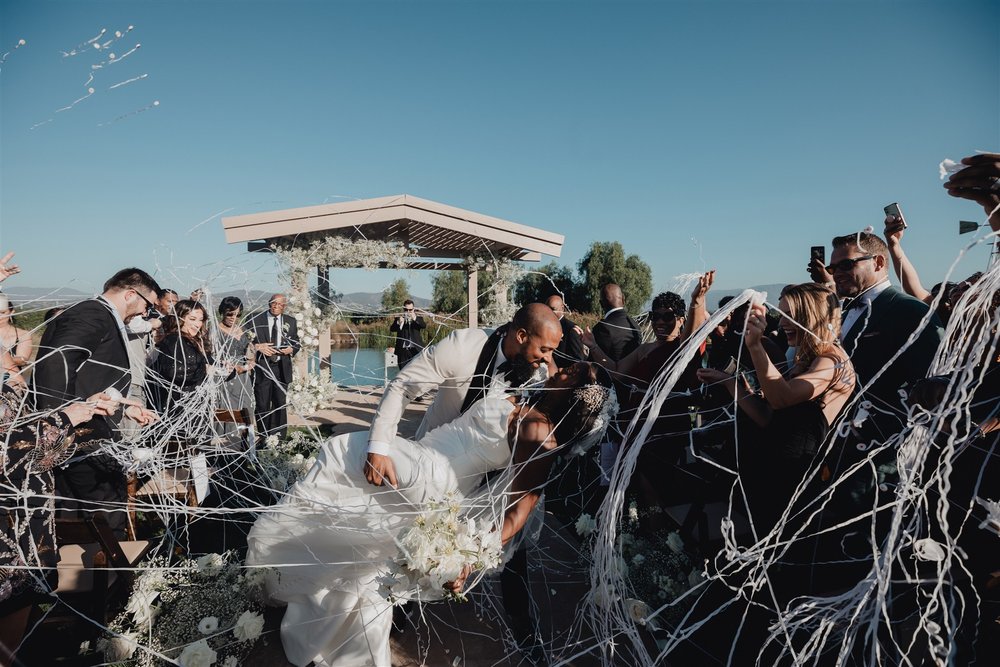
617 333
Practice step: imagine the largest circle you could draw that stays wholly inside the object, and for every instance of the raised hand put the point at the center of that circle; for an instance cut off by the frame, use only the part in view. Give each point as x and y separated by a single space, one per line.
6 268
818 272
756 325
704 284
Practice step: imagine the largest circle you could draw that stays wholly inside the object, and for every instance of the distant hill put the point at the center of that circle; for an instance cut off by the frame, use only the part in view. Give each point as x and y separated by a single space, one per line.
772 294
46 297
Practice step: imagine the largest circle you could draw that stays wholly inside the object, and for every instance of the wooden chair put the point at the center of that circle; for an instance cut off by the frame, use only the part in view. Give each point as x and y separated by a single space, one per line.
95 573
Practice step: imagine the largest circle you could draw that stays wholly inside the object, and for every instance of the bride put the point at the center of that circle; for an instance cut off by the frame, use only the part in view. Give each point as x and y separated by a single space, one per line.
331 538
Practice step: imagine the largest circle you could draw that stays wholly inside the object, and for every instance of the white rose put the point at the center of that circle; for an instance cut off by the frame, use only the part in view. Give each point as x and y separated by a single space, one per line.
211 564
637 610
248 626
120 648
198 654
298 316
317 312
585 525
208 625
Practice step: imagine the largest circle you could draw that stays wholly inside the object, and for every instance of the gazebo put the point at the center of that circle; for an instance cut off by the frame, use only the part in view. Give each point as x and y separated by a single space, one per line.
438 236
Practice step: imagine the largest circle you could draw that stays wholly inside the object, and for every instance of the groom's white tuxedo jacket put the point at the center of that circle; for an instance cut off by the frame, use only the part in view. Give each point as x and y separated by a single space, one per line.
448 366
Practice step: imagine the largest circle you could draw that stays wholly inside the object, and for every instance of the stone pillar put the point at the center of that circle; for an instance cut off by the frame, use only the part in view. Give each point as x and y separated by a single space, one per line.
473 298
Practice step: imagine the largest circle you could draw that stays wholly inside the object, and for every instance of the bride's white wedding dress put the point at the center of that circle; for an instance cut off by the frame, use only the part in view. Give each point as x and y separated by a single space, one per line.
330 538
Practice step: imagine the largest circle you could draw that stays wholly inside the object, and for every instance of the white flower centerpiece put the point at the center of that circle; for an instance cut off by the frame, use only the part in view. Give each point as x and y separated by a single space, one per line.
205 611
284 462
435 549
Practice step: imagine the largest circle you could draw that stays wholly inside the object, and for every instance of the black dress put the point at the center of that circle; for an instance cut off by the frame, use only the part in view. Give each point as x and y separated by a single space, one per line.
27 534
179 367
776 458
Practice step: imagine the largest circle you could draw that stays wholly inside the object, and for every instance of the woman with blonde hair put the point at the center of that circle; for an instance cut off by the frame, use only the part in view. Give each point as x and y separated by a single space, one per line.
791 417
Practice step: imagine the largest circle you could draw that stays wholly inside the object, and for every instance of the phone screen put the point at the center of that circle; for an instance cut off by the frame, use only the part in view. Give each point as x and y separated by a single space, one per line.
818 252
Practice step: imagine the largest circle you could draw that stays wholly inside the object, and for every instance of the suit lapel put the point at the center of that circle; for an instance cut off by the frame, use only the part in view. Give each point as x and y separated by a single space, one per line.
484 369
870 319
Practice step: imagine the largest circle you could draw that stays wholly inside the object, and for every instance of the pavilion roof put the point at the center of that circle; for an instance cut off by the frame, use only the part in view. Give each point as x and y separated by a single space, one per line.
432 229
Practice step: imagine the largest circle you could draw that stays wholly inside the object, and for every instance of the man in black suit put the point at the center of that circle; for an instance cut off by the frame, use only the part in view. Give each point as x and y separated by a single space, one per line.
82 352
616 334
878 319
571 347
409 340
276 339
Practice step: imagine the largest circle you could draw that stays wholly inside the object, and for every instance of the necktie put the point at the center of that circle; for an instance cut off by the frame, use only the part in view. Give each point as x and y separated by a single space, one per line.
274 331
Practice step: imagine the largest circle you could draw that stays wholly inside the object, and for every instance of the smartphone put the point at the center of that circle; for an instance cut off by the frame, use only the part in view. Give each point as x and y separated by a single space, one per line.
818 252
893 209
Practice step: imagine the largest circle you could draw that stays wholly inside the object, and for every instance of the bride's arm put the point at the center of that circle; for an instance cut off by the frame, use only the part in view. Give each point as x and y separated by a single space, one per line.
533 442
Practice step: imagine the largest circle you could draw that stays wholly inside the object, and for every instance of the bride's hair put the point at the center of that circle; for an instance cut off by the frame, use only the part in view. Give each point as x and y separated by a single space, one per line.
575 411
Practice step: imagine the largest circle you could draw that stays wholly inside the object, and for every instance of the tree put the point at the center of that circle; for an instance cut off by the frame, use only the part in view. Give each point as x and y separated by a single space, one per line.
543 282
605 263
451 293
394 295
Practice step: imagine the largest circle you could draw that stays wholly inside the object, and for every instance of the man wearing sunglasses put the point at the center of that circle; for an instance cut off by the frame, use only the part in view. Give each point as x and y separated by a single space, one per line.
878 319
83 351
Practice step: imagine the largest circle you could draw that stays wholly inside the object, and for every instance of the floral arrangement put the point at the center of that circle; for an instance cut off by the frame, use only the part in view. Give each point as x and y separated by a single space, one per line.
656 569
506 273
305 396
195 613
284 462
436 548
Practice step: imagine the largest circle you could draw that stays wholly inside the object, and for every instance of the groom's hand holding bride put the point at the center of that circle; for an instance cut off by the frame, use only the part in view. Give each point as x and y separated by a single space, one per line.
379 469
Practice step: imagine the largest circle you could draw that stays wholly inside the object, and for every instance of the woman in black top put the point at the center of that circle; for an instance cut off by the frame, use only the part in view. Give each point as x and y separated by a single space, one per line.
184 356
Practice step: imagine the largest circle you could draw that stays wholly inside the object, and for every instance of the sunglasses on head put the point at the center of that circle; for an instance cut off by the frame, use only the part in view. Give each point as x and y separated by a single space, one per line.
847 264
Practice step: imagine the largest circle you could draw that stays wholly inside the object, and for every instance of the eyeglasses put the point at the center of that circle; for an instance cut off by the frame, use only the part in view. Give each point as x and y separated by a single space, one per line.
408 310
150 306
847 264
666 316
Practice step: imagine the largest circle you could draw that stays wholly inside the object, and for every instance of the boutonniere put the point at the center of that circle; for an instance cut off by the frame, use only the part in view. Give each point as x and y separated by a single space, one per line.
251 335
284 327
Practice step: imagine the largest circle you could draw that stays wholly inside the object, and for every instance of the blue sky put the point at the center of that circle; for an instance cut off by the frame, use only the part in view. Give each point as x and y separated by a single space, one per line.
699 134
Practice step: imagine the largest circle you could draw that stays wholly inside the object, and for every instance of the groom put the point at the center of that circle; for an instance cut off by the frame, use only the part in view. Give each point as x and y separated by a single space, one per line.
463 367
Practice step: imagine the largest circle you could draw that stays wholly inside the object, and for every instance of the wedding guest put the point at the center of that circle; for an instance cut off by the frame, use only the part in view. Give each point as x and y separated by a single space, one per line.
141 334
877 321
407 327
276 340
570 348
184 355
83 352
165 301
798 406
32 448
15 344
235 351
672 323
617 334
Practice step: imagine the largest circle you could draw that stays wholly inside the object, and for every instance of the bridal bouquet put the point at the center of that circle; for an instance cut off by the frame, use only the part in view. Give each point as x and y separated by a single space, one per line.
205 611
435 550
284 462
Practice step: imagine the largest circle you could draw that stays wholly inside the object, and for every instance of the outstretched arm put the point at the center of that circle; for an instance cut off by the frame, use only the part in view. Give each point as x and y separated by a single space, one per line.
905 271
697 313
